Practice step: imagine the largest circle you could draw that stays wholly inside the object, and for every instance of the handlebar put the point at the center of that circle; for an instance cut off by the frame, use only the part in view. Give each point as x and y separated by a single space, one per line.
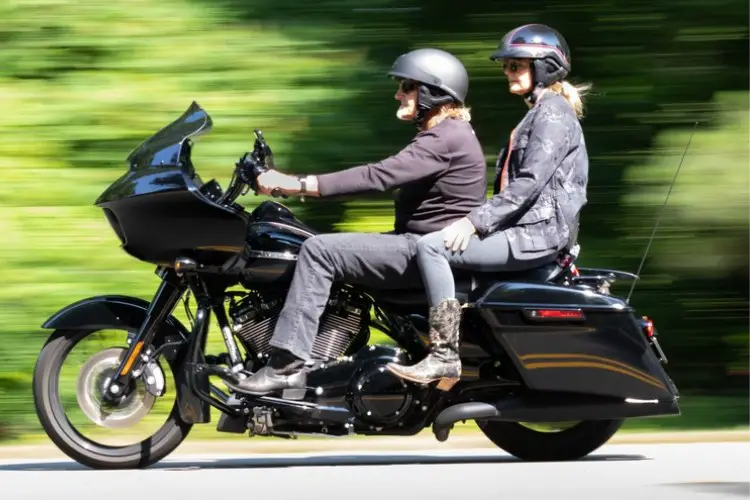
248 168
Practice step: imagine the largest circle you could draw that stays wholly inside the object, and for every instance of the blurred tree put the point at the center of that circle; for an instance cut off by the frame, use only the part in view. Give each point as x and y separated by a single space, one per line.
700 252
82 83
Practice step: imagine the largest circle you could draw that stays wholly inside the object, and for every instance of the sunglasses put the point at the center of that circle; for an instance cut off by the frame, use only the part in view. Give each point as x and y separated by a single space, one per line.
407 86
514 66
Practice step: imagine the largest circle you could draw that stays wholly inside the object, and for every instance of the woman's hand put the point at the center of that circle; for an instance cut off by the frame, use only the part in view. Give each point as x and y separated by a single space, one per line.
458 234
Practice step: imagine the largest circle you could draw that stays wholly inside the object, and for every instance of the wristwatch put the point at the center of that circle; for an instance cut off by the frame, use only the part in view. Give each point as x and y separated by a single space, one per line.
303 187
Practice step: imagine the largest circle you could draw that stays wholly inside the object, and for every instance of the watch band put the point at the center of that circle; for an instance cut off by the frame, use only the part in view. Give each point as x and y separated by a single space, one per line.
303 186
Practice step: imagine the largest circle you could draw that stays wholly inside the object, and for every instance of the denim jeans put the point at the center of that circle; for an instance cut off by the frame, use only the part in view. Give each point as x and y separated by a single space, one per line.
490 254
384 261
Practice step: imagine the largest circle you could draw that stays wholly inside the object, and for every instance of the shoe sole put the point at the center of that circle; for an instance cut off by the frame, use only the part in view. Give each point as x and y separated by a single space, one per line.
445 383
292 394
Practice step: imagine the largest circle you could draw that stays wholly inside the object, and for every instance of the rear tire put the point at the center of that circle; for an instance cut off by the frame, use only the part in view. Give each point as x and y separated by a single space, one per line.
71 442
532 445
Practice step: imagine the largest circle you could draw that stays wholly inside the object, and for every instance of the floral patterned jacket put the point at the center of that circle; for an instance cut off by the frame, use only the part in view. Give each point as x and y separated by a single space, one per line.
540 187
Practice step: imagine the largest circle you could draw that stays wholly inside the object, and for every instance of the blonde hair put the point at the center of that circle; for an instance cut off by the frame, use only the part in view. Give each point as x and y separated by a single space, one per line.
572 93
452 110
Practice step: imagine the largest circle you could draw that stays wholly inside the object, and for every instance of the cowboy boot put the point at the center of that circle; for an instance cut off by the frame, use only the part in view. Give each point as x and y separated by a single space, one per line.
443 362
284 372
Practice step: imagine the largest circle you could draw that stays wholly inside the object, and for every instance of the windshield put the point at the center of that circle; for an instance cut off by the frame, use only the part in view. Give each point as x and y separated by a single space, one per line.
165 147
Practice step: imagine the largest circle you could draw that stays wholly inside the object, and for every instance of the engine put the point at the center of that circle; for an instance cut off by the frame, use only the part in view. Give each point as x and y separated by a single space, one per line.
344 322
378 396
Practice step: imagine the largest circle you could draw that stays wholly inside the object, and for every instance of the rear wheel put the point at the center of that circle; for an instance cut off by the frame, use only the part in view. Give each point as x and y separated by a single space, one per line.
550 442
82 386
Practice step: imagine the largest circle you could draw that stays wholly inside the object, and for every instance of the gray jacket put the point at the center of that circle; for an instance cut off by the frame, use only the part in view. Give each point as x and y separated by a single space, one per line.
546 182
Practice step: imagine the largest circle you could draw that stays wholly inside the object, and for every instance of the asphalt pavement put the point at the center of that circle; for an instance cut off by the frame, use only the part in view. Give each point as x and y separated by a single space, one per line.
679 471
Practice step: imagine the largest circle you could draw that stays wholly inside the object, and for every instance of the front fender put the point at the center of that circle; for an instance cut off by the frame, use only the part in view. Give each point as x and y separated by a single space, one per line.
106 311
129 313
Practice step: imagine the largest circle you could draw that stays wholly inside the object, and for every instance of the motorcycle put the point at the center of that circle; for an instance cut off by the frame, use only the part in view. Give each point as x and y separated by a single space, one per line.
553 363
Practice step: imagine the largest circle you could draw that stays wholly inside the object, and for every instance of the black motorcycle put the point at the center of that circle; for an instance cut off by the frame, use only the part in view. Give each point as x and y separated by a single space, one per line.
552 362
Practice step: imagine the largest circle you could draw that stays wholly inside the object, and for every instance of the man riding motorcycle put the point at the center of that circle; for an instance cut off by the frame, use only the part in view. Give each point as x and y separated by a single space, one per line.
441 174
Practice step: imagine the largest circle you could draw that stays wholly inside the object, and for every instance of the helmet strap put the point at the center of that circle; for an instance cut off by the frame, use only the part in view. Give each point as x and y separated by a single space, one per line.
420 116
533 95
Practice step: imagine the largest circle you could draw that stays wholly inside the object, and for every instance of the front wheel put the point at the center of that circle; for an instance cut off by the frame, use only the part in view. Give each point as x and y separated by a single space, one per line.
536 443
82 386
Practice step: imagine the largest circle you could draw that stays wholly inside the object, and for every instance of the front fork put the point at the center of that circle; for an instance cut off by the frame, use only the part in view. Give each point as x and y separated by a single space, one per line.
196 371
165 299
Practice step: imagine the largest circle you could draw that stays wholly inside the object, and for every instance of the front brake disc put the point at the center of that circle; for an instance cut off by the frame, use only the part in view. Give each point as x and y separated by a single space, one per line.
92 378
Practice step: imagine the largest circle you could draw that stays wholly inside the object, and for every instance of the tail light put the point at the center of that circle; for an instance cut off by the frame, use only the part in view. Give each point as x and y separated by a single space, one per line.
553 314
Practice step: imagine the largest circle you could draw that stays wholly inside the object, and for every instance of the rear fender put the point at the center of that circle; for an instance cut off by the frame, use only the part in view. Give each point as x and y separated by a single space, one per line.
125 312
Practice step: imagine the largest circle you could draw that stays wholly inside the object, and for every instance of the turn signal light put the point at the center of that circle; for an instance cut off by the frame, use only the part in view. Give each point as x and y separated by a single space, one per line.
648 326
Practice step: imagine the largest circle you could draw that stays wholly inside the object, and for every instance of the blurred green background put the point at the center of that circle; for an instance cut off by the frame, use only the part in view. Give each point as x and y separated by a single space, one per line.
82 83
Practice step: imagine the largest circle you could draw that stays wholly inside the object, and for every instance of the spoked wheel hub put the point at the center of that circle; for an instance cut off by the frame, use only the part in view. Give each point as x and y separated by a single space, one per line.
129 409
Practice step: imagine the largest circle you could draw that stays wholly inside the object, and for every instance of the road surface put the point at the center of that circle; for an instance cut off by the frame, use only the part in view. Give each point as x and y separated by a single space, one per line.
710 471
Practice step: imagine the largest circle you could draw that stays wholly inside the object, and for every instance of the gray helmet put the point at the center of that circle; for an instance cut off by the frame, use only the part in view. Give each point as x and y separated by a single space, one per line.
546 46
443 77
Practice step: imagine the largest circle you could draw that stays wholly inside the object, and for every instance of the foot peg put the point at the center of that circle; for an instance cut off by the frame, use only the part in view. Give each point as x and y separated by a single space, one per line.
294 394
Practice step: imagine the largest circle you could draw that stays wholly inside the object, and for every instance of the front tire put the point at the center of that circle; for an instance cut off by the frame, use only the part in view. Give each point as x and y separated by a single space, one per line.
70 441
533 445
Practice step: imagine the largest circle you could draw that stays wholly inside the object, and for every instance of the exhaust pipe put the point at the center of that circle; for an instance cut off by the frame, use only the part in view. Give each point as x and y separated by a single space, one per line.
553 408
443 423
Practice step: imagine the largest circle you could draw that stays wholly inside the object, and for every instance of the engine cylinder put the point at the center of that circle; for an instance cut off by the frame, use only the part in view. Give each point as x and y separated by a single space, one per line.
344 322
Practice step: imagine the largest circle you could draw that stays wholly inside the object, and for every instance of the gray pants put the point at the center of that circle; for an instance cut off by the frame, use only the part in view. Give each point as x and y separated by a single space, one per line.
385 261
491 254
